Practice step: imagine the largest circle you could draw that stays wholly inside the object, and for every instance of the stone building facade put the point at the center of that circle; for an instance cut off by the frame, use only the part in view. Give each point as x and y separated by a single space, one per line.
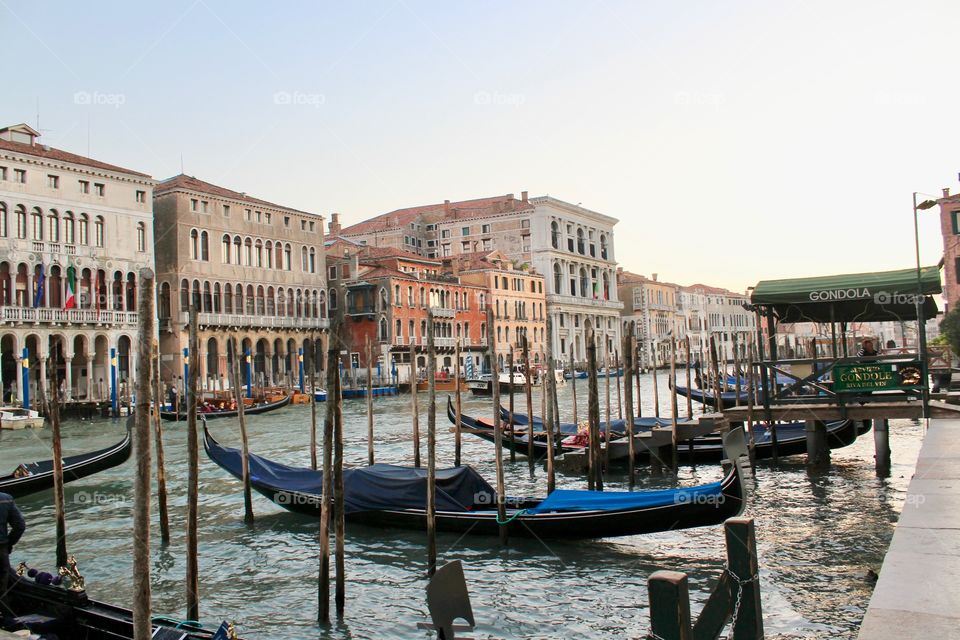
950 230
517 297
254 270
570 245
384 294
64 219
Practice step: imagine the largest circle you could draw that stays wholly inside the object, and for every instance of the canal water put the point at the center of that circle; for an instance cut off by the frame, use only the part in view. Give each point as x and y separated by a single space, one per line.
819 535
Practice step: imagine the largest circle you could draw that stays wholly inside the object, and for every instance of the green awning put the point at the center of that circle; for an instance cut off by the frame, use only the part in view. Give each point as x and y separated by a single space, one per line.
855 297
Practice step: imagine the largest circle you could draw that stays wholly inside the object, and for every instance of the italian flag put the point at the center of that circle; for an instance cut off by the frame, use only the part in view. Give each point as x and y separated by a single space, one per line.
71 301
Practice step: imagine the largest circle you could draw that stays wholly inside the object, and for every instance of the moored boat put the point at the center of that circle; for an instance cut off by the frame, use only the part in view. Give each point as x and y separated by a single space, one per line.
389 496
20 418
37 476
211 413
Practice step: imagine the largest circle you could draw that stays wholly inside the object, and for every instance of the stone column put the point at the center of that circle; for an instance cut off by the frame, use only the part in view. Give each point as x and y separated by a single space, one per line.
268 367
68 396
42 360
18 380
90 375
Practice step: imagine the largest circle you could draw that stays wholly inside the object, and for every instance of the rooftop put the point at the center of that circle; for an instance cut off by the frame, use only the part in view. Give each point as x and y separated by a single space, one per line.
189 183
23 139
441 212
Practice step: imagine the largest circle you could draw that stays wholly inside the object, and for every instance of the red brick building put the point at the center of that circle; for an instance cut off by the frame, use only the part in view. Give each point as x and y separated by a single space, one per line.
950 228
385 293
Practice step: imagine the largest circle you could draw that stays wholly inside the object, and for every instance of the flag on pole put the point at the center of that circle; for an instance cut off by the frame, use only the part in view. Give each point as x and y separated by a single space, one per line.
37 299
71 301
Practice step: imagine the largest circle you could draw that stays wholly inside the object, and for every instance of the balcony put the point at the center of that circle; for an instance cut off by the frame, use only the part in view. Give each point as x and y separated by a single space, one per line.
19 315
554 299
440 312
267 322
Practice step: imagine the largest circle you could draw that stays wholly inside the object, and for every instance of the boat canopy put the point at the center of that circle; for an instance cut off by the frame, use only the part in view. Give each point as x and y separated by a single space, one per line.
854 297
580 500
386 486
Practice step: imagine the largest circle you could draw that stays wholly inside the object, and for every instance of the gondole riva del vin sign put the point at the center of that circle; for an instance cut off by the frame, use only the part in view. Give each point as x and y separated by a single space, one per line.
880 376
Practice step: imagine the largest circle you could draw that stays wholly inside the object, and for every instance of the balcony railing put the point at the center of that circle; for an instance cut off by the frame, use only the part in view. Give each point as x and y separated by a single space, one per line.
244 320
67 316
440 312
576 300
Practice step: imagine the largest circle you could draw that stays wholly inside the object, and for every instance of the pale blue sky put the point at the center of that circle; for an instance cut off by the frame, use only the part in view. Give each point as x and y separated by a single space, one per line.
734 140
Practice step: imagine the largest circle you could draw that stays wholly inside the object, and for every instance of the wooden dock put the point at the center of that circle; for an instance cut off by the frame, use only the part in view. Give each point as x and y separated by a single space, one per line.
918 593
832 411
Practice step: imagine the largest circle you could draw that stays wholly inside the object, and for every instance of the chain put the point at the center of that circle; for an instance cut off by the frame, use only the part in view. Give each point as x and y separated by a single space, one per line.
740 583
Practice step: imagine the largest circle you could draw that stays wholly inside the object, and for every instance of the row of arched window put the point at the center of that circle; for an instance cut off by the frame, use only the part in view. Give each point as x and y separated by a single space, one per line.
578 241
248 299
252 252
53 227
583 284
49 287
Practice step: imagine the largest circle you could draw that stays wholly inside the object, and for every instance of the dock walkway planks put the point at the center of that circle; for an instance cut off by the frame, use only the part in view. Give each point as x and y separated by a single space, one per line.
918 593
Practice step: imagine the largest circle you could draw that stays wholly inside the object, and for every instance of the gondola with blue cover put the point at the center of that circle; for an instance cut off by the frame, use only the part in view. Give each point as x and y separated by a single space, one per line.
389 496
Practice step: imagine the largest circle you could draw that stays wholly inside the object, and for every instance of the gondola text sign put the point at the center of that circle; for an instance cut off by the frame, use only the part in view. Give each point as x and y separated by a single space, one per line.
877 376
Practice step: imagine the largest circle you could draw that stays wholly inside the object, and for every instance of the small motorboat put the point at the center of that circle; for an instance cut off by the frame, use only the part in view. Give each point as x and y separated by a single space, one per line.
19 418
320 395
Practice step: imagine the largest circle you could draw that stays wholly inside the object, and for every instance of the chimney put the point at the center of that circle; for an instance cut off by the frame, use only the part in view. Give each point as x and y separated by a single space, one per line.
446 208
654 276
946 192
334 224
509 196
523 196
356 264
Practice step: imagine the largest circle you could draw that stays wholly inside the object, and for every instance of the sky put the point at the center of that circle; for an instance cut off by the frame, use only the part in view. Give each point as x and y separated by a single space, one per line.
734 141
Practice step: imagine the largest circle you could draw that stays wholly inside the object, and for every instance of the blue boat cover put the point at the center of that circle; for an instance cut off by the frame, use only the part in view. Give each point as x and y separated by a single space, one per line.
377 487
578 500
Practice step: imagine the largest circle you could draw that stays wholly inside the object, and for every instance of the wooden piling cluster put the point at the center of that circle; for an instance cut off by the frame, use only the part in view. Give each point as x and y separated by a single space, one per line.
193 475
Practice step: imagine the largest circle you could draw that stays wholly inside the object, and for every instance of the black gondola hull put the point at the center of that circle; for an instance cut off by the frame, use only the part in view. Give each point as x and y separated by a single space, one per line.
75 467
214 415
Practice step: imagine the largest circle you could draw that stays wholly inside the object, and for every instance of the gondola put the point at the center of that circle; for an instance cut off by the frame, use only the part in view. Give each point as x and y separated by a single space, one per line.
54 610
727 398
389 496
791 438
231 413
38 476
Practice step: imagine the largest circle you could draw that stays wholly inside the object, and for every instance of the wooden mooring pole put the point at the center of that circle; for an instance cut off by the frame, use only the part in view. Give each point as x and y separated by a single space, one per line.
528 392
193 474
686 345
735 599
312 358
497 429
458 401
550 391
629 368
431 448
656 390
414 406
595 479
158 443
370 456
881 443
573 388
511 424
675 442
339 597
619 366
241 415
606 430
142 626
323 587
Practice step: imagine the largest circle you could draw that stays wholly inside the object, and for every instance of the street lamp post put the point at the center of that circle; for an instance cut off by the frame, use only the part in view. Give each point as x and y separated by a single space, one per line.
921 321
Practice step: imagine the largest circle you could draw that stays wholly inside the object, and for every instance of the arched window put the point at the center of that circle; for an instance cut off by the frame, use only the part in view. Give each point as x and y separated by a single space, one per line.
194 244
333 299
580 245
261 302
184 295
303 259
216 297
323 304
53 226
225 249
396 295
195 298
36 221
603 246
383 300
98 232
21 222
238 300
84 231
555 234
204 246
423 297
281 302
3 220
606 286
247 252
313 260
383 329
286 257
278 263
271 302
69 231
269 254
398 332
250 300
258 253
207 298
141 236
557 278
